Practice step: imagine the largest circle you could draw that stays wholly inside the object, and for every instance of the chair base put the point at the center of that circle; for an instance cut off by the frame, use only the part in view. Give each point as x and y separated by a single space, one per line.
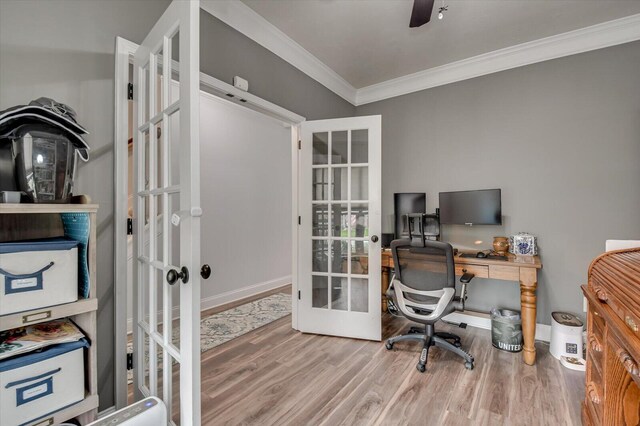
429 337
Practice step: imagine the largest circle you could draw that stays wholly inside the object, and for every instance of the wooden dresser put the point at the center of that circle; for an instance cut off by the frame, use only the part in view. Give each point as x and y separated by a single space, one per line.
613 340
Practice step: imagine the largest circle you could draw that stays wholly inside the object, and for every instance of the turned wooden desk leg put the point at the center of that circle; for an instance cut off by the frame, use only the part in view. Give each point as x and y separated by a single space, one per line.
384 285
528 283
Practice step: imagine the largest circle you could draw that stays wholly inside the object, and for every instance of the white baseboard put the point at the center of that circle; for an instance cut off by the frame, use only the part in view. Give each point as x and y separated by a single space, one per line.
482 320
227 297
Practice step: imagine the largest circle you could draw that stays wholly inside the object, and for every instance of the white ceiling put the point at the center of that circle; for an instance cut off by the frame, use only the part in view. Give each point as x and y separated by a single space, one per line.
369 41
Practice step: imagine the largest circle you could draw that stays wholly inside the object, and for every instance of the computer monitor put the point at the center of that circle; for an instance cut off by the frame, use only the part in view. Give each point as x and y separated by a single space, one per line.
405 203
481 207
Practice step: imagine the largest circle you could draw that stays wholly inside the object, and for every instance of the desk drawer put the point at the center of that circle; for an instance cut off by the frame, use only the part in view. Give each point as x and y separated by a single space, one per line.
478 270
499 272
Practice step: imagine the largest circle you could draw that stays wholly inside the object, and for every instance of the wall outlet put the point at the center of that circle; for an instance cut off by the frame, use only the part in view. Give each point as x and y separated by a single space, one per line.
241 83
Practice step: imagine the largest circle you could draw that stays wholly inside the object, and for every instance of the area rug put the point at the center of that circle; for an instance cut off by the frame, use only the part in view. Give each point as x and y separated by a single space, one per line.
219 328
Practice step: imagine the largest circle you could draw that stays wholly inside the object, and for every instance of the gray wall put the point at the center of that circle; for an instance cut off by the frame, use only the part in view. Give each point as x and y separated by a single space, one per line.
562 140
224 53
64 49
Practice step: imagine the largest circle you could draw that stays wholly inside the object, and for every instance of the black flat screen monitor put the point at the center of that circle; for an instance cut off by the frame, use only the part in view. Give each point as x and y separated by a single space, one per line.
482 207
405 203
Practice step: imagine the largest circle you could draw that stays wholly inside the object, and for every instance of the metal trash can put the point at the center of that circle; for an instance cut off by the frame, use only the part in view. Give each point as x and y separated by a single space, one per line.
506 330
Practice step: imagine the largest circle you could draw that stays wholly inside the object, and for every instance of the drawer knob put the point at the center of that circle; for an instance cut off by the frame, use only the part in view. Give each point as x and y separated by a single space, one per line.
628 362
595 345
592 392
601 295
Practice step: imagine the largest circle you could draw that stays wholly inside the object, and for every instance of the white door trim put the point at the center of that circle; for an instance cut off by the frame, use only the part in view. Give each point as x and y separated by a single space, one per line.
124 56
210 85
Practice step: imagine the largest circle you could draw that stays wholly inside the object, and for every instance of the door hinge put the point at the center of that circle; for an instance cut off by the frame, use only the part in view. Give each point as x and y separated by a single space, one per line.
299 220
130 91
129 226
129 360
298 294
299 144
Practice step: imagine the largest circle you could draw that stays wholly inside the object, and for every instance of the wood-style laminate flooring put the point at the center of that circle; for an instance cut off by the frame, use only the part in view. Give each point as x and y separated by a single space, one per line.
278 376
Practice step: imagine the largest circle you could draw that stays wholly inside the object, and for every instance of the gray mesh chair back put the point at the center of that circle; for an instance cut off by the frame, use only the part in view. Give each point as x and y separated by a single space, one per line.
424 279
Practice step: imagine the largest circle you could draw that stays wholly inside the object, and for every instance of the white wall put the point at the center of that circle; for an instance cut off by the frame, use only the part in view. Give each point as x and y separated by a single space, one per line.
246 201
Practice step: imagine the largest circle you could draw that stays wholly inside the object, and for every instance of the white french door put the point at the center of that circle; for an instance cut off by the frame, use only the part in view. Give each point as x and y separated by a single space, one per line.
167 213
340 222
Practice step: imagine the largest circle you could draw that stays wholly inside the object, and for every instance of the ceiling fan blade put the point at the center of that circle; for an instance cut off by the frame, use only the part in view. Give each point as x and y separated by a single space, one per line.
421 13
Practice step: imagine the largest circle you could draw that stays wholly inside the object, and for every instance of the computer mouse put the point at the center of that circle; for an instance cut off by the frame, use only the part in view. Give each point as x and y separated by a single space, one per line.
481 255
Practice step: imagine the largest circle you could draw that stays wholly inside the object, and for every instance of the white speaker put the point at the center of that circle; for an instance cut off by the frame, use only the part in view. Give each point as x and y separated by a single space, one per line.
148 412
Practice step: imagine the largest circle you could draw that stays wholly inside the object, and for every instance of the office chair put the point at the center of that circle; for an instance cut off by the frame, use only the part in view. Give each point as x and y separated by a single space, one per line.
423 290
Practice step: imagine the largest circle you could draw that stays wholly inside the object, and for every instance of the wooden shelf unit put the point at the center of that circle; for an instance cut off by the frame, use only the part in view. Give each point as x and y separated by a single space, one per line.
30 221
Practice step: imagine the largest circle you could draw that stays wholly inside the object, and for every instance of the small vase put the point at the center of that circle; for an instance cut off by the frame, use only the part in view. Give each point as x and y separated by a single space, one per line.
500 245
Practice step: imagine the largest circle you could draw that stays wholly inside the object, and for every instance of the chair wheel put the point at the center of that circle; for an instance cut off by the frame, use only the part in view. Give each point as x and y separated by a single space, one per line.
468 365
389 346
421 368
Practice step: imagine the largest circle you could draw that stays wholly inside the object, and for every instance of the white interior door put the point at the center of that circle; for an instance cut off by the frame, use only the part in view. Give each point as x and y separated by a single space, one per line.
340 223
167 210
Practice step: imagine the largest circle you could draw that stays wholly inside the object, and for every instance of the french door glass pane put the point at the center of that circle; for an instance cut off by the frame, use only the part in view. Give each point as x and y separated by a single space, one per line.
339 147
320 184
359 220
320 292
339 220
359 294
320 256
340 183
174 86
320 220
320 148
339 293
340 256
360 146
159 83
144 96
359 257
359 183
174 149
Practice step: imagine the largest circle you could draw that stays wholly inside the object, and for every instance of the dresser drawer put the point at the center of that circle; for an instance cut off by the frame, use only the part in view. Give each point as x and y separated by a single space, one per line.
478 270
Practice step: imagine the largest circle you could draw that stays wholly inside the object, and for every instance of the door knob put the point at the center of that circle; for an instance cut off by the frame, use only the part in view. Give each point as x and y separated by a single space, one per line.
173 276
205 271
374 238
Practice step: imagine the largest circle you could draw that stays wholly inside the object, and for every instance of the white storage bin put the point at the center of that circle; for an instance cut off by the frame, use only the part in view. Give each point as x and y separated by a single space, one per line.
36 385
37 273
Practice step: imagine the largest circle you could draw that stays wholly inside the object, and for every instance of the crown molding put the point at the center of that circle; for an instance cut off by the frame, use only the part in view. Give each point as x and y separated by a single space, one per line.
598 36
245 20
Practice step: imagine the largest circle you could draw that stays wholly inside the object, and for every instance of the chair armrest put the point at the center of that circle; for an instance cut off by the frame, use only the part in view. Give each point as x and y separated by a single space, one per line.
466 277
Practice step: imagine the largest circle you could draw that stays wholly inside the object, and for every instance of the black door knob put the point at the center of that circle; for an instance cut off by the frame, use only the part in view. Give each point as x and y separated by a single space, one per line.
173 276
205 271
374 238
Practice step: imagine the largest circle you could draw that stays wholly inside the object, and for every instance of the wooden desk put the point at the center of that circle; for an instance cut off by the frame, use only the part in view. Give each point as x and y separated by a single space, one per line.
522 270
